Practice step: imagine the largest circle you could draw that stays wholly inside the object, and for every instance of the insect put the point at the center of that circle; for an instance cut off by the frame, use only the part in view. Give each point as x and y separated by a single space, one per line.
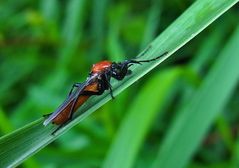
97 82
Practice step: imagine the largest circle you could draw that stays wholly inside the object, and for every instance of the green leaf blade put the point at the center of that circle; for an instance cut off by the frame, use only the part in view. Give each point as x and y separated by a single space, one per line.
35 136
193 122
141 115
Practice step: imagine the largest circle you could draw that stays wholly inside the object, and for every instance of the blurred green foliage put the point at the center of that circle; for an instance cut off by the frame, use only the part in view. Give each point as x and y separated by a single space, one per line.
47 45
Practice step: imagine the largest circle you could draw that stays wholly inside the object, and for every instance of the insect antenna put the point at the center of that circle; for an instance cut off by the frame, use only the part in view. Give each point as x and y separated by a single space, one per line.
131 62
154 59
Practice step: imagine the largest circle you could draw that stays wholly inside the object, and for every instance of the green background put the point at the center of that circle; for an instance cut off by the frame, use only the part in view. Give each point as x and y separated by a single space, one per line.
47 45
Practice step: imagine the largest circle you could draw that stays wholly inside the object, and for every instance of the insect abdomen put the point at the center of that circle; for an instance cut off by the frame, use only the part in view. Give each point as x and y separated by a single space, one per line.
64 115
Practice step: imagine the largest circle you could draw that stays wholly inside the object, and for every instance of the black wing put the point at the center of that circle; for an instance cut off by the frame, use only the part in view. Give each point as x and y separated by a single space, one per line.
69 99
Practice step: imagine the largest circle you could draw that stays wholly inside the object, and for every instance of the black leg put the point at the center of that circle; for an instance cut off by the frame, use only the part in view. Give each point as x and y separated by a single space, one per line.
69 117
74 102
59 127
73 106
85 93
47 115
73 86
111 92
109 86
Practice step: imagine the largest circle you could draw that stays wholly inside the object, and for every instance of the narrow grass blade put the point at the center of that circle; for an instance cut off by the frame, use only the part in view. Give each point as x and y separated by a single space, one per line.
21 144
189 128
152 22
5 126
98 28
141 115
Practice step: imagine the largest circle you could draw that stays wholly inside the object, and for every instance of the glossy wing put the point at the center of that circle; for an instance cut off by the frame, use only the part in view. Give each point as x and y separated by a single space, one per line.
69 99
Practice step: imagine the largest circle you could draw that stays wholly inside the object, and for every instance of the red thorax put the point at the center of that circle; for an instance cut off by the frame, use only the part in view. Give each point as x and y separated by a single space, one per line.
100 66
